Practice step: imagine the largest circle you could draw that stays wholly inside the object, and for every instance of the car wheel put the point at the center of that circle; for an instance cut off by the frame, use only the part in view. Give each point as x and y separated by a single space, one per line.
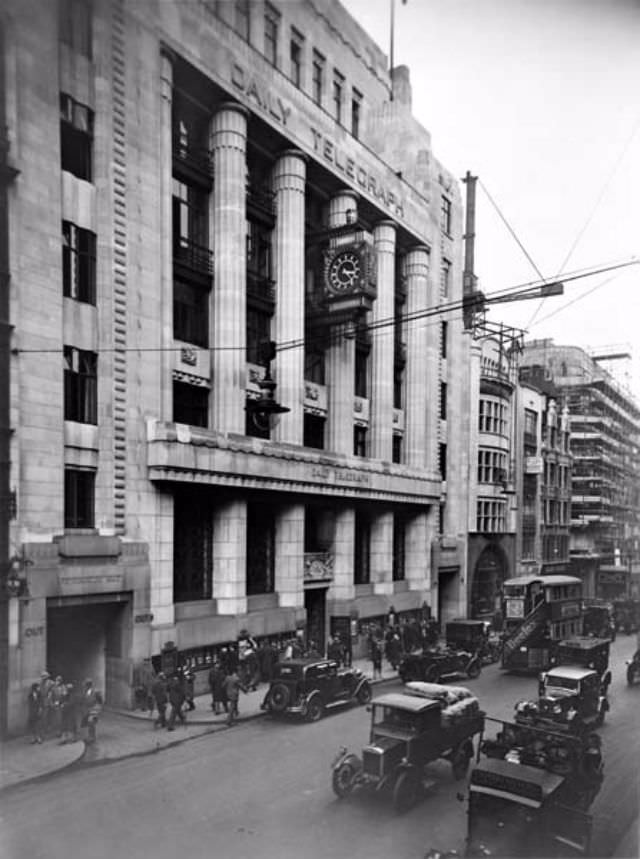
405 791
343 780
279 697
473 669
431 674
364 694
315 709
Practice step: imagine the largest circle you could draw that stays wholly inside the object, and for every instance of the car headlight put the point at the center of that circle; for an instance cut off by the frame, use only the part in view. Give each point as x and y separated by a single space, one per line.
557 709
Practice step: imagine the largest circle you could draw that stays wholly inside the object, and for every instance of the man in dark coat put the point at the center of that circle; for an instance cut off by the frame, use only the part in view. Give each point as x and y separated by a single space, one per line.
176 700
232 686
161 697
216 684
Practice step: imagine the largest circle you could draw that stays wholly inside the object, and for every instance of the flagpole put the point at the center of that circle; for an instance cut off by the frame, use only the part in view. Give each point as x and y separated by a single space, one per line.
391 48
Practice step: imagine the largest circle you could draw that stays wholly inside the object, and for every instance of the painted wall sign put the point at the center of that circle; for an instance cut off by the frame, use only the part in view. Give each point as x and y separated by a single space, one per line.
33 631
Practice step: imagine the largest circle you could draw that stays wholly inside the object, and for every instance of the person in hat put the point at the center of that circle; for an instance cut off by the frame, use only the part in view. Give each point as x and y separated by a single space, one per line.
46 685
160 693
69 722
57 696
175 691
216 684
34 718
91 709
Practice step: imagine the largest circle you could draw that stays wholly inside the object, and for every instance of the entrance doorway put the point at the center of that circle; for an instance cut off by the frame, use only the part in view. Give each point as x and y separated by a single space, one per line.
490 572
448 595
89 638
315 600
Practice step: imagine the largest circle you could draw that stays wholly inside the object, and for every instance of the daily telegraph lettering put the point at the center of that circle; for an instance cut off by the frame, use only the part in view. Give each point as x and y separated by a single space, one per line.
257 91
339 475
326 148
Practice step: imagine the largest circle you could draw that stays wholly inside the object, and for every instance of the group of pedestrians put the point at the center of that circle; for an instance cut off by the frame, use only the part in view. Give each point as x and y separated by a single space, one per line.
396 639
57 709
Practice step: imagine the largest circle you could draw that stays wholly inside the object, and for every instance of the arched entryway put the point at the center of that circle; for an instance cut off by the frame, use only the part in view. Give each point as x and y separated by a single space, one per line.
489 573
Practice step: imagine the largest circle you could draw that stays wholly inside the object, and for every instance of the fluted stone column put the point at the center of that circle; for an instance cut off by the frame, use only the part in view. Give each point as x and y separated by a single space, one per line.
290 556
417 563
432 356
228 226
382 553
289 186
341 352
230 557
417 273
343 587
381 408
166 236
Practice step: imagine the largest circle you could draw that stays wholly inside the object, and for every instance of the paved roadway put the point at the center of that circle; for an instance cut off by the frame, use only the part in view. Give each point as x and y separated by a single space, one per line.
264 789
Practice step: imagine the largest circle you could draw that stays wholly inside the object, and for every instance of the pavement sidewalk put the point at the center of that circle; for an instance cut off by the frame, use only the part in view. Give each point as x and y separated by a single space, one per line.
128 733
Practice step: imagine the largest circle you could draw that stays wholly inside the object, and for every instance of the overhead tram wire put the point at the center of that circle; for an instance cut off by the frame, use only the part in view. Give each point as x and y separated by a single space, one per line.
577 298
521 290
591 215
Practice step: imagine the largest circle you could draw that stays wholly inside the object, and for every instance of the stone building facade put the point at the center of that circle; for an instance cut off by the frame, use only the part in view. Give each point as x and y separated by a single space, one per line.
198 181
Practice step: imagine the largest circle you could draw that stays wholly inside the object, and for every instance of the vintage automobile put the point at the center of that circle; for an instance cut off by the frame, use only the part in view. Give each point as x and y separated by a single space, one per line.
585 652
308 687
570 699
633 669
408 731
474 636
437 662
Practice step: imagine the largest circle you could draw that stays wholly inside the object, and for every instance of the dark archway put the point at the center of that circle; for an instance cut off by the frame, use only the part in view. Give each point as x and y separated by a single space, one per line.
489 573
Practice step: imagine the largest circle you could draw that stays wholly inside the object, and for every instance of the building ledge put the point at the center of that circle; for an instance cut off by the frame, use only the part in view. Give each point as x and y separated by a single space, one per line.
180 453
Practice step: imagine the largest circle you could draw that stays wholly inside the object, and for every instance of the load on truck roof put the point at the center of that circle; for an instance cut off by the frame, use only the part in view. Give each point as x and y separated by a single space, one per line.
517 782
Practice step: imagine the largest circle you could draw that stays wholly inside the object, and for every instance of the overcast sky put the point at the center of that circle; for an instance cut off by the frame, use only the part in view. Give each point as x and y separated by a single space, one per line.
540 100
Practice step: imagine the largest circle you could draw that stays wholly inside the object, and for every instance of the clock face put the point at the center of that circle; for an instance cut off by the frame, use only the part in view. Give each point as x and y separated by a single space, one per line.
344 272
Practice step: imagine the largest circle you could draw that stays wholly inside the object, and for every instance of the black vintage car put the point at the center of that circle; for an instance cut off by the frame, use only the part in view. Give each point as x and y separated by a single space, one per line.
474 636
307 687
438 662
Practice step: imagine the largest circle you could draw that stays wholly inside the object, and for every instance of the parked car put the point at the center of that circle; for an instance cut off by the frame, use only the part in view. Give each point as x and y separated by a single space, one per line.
433 664
474 636
308 687
570 698
408 731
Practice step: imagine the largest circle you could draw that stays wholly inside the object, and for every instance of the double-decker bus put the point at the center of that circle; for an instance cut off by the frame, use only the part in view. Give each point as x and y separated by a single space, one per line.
538 611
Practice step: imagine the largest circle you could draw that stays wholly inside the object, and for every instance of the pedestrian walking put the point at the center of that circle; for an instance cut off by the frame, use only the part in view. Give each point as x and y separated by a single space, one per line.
160 694
376 657
218 693
232 687
34 717
69 716
91 709
46 684
175 692
188 684
57 695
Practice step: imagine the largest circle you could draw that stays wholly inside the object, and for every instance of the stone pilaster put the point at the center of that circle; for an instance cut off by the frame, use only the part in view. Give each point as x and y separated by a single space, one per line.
343 587
417 273
228 226
161 602
290 556
381 408
230 557
166 237
382 553
289 185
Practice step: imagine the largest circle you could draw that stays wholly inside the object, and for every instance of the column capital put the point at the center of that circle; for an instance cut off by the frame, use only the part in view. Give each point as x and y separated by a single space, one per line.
292 153
416 261
384 236
225 106
290 171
